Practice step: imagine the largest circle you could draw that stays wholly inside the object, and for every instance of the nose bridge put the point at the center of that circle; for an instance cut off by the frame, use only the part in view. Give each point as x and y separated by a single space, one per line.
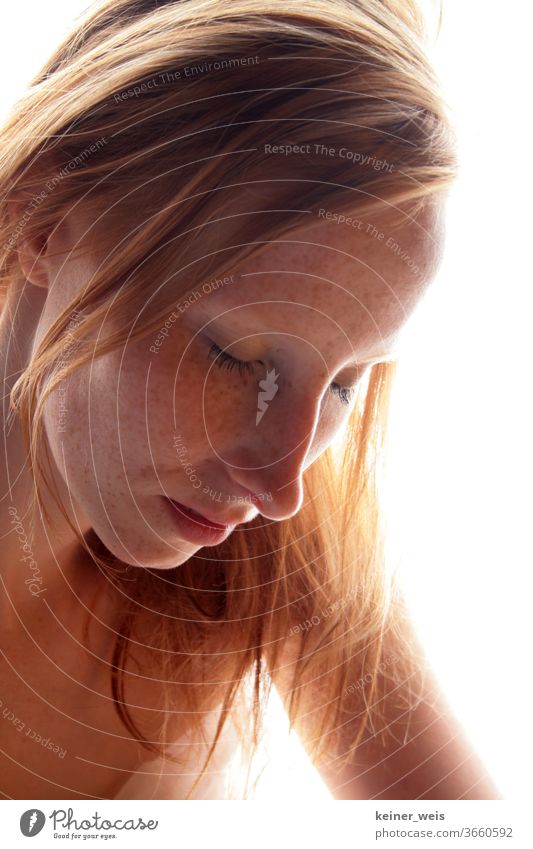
276 446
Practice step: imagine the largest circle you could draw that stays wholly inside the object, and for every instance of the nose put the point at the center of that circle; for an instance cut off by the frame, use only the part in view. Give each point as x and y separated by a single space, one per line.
272 455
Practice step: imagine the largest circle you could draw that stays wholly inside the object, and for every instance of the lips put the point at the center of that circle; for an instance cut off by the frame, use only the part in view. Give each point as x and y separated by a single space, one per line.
198 517
193 527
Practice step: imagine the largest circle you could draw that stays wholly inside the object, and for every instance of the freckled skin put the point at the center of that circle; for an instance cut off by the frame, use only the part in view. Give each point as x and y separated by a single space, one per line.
304 307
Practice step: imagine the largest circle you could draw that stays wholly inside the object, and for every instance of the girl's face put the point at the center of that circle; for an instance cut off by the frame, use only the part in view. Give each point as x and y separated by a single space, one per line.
170 417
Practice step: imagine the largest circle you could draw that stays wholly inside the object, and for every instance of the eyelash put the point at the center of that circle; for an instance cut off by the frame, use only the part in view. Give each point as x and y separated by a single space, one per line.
224 360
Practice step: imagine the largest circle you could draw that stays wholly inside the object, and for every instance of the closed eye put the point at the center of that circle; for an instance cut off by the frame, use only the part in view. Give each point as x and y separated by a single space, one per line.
224 360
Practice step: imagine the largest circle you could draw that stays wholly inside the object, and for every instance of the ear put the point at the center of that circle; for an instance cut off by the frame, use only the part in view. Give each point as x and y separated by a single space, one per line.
31 250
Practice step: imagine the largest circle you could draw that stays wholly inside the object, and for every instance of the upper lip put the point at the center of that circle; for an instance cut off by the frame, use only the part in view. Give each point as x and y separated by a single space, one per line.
223 522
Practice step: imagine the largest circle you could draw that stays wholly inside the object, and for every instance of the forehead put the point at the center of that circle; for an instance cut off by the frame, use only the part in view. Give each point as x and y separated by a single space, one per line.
359 279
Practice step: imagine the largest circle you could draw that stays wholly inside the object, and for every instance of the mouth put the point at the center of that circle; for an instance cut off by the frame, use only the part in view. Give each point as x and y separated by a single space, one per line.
198 517
194 527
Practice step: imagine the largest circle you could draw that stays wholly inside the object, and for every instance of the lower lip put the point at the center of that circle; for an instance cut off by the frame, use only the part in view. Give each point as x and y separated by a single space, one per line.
194 528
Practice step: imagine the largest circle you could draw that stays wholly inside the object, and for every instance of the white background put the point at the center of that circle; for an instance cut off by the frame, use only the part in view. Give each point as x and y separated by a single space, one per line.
460 471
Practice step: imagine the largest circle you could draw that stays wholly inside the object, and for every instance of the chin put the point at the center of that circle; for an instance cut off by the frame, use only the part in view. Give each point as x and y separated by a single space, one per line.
159 556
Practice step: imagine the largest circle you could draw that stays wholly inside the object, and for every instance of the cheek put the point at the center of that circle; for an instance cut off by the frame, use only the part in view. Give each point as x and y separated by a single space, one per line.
189 394
229 404
81 432
331 421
